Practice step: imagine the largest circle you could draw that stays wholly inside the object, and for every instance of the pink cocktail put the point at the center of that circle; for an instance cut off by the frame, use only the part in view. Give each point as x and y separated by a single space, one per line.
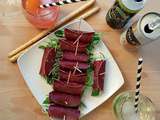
41 18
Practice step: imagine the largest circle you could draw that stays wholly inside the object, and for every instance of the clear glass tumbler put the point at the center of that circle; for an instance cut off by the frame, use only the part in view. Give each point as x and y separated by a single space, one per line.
42 18
123 107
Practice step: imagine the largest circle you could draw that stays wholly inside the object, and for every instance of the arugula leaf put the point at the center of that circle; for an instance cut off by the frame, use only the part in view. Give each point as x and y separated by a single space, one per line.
46 101
95 93
89 81
52 43
95 40
59 33
45 105
83 105
42 47
96 57
49 79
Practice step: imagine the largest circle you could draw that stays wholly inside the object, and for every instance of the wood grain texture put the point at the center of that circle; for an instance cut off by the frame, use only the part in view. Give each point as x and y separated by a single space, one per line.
17 102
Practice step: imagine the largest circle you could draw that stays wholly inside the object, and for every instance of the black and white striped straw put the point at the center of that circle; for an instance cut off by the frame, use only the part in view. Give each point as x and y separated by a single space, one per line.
59 3
138 83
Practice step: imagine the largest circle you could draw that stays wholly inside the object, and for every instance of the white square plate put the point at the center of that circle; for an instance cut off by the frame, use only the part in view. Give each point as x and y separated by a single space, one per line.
29 64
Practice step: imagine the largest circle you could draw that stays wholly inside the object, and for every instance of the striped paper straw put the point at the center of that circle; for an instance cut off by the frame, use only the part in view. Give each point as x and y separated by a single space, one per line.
139 71
60 3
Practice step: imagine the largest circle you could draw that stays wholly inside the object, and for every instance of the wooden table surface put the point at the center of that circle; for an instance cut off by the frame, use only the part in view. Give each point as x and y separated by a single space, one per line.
17 102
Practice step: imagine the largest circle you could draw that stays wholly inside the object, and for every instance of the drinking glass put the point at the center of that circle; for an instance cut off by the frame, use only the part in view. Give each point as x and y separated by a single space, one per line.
123 107
42 18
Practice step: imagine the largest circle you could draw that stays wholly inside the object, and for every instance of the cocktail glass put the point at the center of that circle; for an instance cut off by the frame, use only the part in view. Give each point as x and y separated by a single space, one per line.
123 107
41 17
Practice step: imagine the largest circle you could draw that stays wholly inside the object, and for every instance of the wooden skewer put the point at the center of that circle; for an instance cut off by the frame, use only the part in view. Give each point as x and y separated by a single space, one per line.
14 56
46 32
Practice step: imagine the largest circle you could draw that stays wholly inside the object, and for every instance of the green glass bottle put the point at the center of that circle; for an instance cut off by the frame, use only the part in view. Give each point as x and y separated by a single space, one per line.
122 11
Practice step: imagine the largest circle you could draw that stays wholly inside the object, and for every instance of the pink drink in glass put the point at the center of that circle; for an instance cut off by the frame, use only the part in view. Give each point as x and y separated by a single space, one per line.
41 17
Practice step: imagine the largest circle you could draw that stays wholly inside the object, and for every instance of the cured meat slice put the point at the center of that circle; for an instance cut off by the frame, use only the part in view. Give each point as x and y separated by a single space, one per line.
78 78
47 61
70 46
64 99
99 72
71 88
63 112
71 65
73 35
81 57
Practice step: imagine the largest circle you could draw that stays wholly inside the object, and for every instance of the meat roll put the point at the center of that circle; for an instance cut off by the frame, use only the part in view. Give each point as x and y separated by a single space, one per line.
73 35
71 65
81 57
61 112
47 61
99 72
64 99
71 88
69 46
78 77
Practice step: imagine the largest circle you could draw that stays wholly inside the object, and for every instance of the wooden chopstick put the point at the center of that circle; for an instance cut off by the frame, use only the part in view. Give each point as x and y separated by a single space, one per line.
14 58
46 32
84 16
89 13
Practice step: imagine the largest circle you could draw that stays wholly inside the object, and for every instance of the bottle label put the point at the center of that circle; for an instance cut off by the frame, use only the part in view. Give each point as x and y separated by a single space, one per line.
131 38
117 17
